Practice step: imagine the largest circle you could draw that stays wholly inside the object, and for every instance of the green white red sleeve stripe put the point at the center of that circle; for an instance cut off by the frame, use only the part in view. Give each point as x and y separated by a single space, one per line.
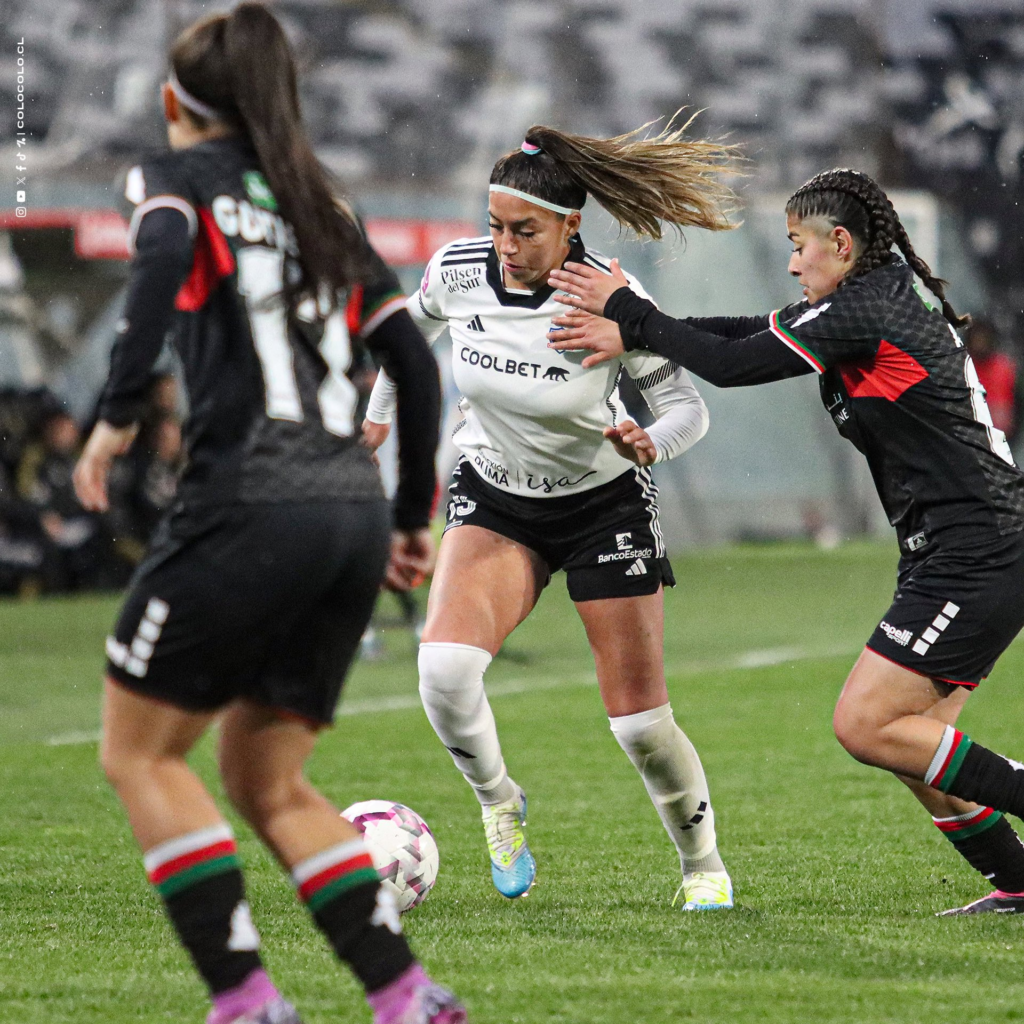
182 862
793 342
326 875
948 758
374 316
963 826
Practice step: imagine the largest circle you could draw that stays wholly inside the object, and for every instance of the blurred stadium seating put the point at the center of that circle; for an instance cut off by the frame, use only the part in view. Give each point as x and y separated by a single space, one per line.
410 101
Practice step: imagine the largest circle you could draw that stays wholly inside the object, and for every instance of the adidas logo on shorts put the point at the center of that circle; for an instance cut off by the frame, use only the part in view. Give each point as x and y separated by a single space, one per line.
637 568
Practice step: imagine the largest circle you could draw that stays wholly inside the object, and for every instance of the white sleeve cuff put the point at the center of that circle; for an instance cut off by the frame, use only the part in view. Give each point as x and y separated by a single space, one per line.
383 398
682 416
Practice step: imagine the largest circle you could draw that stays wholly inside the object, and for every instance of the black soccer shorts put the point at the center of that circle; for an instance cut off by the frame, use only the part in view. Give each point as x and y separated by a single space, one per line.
608 539
266 601
955 611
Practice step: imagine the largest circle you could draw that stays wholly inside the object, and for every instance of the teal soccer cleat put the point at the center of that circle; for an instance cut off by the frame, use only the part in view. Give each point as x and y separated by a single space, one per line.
513 868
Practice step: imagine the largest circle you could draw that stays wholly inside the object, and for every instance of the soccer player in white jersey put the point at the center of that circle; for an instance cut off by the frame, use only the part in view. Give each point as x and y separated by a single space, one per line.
554 476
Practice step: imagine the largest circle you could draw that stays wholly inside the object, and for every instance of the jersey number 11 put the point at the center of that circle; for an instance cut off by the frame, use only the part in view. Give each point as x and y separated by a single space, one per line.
261 282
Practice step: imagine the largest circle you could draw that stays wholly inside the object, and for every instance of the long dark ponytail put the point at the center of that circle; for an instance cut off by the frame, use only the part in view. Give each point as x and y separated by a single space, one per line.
241 65
856 202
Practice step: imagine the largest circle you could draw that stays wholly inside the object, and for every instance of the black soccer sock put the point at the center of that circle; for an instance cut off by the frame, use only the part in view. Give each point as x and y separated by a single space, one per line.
200 879
987 841
341 888
969 771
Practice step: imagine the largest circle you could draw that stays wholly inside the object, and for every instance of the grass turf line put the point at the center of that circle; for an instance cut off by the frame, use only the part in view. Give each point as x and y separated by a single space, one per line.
837 870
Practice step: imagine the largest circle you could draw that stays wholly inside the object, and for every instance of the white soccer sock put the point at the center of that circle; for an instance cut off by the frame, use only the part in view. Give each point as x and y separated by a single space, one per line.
452 691
674 777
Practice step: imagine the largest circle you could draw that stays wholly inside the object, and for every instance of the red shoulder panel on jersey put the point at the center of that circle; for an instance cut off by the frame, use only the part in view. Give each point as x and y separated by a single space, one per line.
212 262
888 375
354 310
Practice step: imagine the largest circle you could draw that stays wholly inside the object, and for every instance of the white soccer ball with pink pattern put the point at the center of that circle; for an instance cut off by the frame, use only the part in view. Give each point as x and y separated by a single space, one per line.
402 847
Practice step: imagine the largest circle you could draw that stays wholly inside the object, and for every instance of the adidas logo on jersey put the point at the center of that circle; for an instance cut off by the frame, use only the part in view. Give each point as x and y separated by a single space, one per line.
637 569
475 324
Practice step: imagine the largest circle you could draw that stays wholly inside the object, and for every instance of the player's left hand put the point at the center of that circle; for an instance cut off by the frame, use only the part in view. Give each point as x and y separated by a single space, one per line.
412 559
578 329
632 442
105 443
585 287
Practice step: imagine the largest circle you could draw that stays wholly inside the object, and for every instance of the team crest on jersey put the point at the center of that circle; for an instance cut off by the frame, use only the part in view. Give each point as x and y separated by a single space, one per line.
257 189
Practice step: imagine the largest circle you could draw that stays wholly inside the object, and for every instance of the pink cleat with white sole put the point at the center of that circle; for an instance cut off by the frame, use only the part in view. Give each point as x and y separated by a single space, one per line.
412 998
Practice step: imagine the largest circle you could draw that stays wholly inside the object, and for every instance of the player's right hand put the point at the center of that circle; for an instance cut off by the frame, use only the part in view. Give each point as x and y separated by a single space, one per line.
374 434
105 443
412 559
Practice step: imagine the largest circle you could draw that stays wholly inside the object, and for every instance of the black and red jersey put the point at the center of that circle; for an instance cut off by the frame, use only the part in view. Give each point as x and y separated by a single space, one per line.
896 380
271 405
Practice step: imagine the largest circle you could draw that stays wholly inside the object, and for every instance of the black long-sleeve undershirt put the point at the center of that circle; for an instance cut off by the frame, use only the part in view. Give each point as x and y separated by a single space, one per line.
725 351
408 361
163 258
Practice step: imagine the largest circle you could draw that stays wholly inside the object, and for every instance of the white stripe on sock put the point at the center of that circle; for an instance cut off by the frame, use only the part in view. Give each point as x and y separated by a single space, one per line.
174 848
941 754
304 871
961 817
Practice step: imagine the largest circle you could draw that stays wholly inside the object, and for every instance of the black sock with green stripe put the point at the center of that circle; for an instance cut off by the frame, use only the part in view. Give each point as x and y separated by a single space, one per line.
341 888
987 841
969 771
200 879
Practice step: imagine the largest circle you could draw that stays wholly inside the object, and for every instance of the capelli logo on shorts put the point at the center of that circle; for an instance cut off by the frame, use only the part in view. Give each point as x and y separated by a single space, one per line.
897 636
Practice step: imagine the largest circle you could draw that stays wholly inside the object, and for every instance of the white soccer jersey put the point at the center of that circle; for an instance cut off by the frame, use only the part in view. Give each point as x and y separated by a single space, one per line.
533 418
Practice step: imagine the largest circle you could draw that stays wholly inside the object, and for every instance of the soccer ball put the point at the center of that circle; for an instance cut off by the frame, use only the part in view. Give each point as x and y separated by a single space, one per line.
402 847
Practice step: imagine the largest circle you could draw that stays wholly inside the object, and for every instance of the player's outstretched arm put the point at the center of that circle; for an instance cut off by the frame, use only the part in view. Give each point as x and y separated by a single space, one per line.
725 362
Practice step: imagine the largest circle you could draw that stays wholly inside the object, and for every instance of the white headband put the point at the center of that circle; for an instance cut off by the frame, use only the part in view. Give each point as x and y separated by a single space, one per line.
533 199
186 99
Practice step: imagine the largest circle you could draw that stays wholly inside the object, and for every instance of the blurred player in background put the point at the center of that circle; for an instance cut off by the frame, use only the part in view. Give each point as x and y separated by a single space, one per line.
554 476
898 383
252 598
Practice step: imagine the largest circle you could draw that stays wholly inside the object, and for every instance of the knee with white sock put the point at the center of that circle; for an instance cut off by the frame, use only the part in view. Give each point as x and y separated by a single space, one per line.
675 782
452 692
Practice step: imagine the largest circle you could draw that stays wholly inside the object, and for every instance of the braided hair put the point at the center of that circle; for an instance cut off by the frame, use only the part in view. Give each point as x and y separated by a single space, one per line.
856 202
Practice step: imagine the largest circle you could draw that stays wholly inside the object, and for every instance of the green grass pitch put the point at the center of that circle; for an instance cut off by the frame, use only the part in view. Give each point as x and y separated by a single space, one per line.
838 872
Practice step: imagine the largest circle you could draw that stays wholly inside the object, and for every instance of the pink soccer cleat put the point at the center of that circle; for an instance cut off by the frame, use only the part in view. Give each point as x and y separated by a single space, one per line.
412 998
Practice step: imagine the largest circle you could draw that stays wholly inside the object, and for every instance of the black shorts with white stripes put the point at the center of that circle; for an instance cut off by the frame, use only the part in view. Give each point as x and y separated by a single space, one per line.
955 610
608 539
263 601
